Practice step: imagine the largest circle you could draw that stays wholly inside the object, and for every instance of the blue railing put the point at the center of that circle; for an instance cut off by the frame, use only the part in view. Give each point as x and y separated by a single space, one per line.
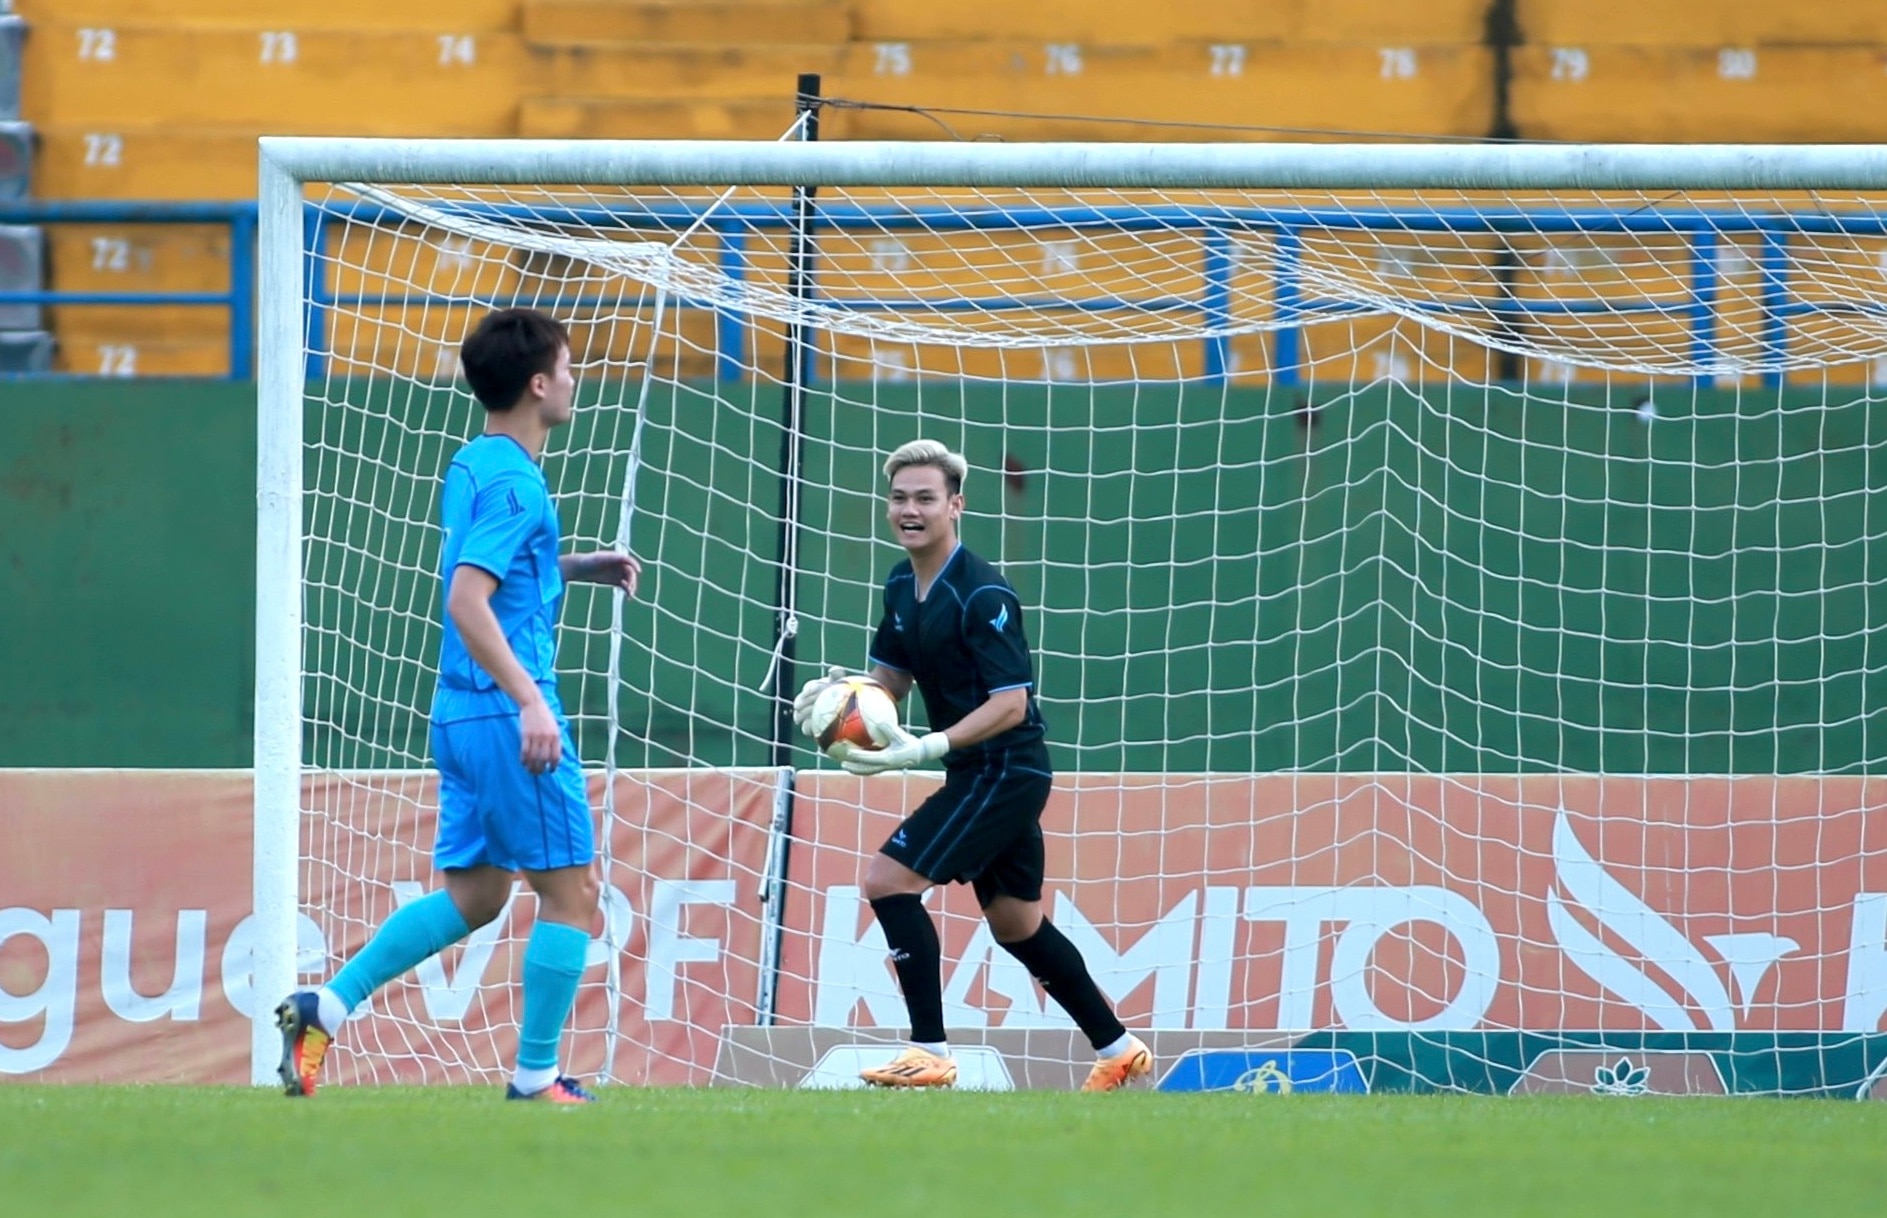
1217 229
239 299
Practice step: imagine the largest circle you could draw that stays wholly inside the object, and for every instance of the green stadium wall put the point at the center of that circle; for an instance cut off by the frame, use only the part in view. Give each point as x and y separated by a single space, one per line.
1459 580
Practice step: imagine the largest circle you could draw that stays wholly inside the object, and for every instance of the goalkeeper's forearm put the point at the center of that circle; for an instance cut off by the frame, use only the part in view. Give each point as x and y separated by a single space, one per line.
897 684
997 715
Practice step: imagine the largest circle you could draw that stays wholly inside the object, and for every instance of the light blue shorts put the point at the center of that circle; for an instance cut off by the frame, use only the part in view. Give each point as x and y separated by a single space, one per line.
494 811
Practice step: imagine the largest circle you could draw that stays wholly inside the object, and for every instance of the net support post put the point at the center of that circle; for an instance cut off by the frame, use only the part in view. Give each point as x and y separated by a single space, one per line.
773 897
277 810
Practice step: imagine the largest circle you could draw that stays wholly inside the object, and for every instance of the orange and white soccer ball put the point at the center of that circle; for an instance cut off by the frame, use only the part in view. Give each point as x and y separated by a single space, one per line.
853 714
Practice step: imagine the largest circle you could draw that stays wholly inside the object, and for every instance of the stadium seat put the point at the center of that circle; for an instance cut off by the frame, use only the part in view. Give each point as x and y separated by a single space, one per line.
12 35
443 15
1064 21
22 269
132 340
1444 90
82 355
1373 22
138 257
568 22
16 160
101 162
1698 23
141 323
26 351
1683 94
1384 23
386 82
739 118
125 340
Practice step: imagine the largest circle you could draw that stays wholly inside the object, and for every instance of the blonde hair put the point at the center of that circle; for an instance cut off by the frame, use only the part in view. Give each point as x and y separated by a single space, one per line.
929 452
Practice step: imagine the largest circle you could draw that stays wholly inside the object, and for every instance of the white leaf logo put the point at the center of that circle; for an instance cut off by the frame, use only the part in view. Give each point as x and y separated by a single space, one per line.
1638 925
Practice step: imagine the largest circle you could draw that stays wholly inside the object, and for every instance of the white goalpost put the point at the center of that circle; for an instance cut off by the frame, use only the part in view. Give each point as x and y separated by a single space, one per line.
1454 576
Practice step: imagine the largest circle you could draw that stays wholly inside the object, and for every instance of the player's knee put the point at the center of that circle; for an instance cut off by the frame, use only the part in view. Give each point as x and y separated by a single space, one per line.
886 877
1011 920
482 911
569 894
479 895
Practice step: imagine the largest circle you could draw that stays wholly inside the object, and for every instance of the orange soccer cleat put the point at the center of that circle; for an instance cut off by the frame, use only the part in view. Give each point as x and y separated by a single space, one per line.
914 1067
1113 1073
304 1042
565 1090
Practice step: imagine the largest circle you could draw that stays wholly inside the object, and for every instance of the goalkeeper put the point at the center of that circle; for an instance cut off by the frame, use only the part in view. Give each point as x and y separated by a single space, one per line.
511 791
952 627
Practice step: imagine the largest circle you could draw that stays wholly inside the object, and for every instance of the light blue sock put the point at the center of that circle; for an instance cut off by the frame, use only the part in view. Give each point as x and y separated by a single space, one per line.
416 930
553 963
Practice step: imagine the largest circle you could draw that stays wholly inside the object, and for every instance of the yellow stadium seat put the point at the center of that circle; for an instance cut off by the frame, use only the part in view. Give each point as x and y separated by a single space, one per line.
387 82
112 162
134 340
443 15
142 324
1068 20
1374 22
1699 23
1386 23
133 356
739 118
676 71
1685 94
1443 90
137 257
554 22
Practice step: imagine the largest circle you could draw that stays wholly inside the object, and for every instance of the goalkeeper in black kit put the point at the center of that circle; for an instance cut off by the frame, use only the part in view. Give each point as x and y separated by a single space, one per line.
952 627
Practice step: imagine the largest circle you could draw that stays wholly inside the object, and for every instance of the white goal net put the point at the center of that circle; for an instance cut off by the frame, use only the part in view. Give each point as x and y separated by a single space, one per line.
1454 611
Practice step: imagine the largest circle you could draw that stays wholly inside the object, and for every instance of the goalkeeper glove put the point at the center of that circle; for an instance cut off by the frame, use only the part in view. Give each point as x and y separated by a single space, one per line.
904 752
809 694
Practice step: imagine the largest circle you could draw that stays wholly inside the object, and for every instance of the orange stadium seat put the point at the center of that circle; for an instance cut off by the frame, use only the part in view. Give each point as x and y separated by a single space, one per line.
111 161
372 82
142 100
550 22
616 118
1698 23
1087 21
467 15
163 99
166 340
125 340
1683 94
1440 90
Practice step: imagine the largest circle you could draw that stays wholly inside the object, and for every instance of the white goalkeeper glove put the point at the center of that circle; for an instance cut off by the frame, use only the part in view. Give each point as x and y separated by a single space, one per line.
809 694
904 752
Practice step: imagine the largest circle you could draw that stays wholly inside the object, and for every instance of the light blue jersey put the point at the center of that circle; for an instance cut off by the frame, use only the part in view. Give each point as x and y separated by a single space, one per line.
498 516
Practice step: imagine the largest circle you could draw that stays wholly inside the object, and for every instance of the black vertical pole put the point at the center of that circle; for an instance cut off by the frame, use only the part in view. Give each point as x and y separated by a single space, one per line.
792 426
786 681
1502 35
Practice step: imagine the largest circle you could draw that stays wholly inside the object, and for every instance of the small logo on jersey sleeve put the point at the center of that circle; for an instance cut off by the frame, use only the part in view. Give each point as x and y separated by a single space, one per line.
897 621
1000 620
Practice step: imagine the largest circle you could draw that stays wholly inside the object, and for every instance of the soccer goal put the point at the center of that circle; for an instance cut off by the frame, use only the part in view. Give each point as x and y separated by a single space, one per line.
1455 577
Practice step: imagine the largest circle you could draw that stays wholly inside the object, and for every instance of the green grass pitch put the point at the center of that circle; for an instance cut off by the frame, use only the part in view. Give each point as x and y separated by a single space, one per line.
156 1151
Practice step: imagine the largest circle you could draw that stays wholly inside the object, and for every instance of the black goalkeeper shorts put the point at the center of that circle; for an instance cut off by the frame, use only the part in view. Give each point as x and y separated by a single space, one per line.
983 827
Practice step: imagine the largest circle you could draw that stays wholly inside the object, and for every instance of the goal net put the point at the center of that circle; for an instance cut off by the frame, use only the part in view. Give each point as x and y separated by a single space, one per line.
1454 601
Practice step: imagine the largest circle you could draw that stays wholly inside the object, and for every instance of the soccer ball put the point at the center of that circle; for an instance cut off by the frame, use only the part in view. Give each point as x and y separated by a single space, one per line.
853 713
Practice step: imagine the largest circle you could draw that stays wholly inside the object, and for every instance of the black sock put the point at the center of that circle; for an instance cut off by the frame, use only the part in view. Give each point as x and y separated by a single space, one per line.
912 937
1058 965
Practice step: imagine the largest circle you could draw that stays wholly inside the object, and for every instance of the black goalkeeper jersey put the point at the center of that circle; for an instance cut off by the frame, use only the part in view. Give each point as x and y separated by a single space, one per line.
963 642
